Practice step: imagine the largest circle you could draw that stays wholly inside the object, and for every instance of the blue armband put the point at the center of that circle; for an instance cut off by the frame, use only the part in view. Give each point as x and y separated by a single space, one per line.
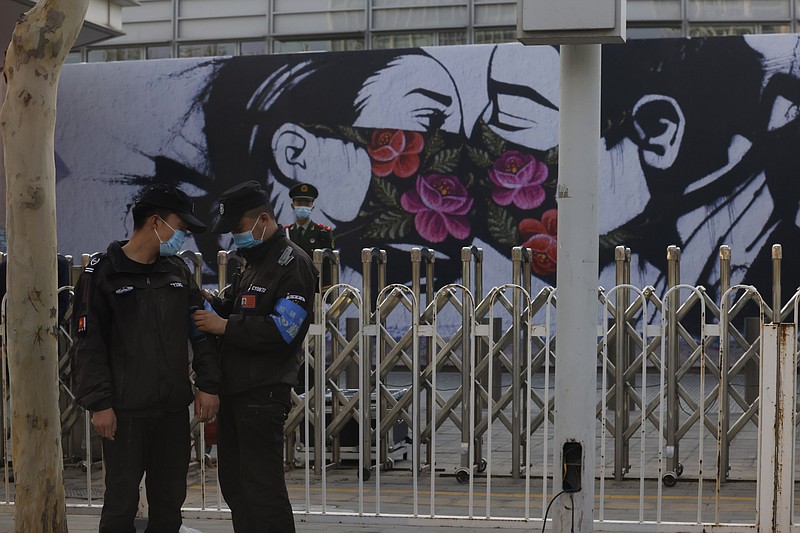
289 318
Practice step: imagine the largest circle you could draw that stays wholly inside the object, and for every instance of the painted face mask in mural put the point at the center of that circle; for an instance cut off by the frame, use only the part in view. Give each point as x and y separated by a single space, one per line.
442 191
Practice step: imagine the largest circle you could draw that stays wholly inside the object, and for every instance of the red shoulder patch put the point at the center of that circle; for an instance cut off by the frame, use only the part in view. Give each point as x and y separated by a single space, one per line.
323 226
290 226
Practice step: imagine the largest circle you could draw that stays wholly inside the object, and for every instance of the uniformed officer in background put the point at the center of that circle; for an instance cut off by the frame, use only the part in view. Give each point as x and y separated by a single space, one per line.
305 233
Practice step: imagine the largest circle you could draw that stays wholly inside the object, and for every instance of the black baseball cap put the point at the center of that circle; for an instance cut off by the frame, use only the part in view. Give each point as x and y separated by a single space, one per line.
173 199
303 190
235 202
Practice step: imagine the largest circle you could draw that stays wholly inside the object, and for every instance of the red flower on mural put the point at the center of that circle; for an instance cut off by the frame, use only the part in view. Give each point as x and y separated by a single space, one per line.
542 239
518 179
395 152
440 203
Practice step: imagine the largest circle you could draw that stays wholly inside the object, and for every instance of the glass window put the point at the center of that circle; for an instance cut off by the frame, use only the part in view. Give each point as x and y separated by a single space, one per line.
206 49
73 57
114 54
635 32
403 40
322 45
776 28
449 38
495 35
159 52
708 30
252 48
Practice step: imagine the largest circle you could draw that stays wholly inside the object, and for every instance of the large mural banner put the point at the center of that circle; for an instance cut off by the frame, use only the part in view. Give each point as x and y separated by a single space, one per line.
453 146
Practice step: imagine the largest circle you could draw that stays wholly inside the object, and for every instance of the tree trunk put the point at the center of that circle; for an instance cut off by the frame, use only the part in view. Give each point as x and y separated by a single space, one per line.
40 43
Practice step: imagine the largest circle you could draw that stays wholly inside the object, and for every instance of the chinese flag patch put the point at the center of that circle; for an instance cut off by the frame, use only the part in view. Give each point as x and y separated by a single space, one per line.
248 301
82 324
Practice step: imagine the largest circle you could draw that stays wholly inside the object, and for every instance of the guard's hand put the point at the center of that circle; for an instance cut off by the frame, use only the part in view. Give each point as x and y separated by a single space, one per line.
205 406
105 423
207 295
209 322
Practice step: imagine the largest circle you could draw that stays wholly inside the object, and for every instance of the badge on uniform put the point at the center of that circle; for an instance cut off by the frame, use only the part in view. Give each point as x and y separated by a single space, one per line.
82 325
248 301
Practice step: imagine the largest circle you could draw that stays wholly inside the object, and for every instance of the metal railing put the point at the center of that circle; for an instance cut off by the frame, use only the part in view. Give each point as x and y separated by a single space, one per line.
477 371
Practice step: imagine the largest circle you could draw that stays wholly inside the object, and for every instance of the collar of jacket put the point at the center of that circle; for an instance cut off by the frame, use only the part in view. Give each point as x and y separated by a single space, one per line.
122 263
278 240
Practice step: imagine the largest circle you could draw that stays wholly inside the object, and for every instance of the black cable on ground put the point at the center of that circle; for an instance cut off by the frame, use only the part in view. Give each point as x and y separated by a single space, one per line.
547 511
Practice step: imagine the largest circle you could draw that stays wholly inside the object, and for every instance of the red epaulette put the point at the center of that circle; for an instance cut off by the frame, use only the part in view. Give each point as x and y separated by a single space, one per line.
323 226
290 226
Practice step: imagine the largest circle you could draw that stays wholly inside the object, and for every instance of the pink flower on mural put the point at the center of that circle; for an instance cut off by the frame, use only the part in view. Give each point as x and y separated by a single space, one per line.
395 152
542 238
440 203
518 179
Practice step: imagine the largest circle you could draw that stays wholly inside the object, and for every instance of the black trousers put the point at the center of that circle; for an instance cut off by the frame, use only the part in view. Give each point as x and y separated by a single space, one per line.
250 447
159 447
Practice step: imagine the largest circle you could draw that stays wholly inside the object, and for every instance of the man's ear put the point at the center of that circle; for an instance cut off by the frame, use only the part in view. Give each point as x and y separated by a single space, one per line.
659 125
289 148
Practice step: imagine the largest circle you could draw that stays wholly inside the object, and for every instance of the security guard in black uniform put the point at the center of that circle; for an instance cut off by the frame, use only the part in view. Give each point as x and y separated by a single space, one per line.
307 234
261 322
131 321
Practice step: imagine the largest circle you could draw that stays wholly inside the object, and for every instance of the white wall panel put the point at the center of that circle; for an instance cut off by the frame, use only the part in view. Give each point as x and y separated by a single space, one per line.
653 10
144 32
738 10
310 23
496 14
420 18
215 8
161 10
227 28
316 6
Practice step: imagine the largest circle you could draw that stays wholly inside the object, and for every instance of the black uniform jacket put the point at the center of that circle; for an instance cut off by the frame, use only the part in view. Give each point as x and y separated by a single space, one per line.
269 309
132 323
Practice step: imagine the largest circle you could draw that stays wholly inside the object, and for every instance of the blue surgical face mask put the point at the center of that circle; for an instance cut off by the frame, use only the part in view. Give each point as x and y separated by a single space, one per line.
174 244
246 239
302 212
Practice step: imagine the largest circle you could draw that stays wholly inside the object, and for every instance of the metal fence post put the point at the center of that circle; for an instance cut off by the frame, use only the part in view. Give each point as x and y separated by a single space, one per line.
776 427
724 364
673 361
426 256
777 255
475 286
620 365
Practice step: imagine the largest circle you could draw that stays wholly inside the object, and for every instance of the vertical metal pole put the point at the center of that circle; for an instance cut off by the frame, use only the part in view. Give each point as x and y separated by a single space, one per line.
777 255
673 279
724 347
578 246
467 409
222 269
620 364
366 358
776 428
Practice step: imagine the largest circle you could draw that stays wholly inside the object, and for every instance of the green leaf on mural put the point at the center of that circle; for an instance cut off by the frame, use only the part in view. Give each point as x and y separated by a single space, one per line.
469 181
386 193
434 145
389 224
493 142
353 135
481 158
501 225
445 161
551 157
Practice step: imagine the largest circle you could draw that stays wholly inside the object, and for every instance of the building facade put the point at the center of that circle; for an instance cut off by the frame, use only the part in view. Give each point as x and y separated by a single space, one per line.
194 28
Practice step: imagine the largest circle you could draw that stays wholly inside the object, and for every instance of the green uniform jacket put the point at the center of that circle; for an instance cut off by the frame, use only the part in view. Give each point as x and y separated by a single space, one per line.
314 237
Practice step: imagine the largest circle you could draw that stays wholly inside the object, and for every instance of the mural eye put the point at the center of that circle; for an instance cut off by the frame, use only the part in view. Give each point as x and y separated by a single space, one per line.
431 119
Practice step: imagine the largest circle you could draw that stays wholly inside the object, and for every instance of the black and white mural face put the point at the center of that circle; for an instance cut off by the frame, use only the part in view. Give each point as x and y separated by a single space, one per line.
453 146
